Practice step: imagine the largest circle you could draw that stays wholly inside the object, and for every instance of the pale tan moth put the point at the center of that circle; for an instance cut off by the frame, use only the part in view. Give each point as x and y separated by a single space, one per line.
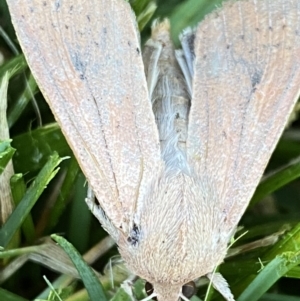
173 147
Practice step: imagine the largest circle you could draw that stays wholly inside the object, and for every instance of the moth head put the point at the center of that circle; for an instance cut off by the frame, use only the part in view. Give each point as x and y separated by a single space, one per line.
168 292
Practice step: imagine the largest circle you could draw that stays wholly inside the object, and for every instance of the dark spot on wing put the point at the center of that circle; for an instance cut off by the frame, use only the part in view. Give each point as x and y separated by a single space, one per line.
138 50
79 65
134 236
88 17
256 78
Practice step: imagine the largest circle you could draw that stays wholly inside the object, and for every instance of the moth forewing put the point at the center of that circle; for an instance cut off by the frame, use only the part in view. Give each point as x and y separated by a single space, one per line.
175 165
97 94
245 86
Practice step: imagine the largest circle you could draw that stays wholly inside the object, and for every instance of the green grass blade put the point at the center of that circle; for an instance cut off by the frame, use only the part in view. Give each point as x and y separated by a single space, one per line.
280 258
8 296
281 297
6 153
274 270
189 13
15 66
61 203
18 189
40 144
80 216
276 180
22 101
90 280
121 295
31 196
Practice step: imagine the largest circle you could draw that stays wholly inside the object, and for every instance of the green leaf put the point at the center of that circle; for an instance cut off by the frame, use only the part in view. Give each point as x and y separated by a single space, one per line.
89 278
22 101
14 66
276 180
18 189
280 258
6 153
61 202
36 146
144 10
274 270
290 243
278 297
189 13
31 196
144 17
80 216
121 295
8 296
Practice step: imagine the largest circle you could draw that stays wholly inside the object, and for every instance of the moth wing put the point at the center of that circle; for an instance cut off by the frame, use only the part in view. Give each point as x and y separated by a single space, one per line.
246 82
86 58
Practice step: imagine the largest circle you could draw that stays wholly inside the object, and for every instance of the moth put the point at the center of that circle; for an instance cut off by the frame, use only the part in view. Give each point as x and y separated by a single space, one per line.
175 145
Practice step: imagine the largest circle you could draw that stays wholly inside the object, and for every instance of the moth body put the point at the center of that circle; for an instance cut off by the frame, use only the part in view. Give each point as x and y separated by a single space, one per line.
168 93
180 194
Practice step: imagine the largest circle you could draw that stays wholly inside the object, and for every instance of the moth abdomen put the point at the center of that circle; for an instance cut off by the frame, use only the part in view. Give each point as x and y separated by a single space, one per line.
170 98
